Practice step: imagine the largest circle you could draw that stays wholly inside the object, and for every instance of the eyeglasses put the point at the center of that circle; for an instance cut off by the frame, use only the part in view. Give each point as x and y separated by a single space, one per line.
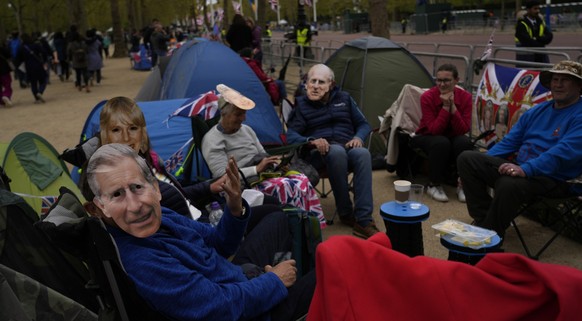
444 81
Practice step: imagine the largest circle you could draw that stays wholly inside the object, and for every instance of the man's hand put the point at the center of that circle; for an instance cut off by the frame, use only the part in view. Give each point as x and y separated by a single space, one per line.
286 271
231 187
267 162
511 169
321 144
355 142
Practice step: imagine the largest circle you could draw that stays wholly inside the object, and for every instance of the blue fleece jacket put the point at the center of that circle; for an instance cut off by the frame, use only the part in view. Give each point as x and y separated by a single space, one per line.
338 121
182 270
548 141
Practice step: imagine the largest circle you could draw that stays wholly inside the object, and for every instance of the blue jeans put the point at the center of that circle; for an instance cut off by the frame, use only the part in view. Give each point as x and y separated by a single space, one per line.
339 161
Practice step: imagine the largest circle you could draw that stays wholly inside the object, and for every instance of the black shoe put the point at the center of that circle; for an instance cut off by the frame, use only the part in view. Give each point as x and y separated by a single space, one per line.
348 220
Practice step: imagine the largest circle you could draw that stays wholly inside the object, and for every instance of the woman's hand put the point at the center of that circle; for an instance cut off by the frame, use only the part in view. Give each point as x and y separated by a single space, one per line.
231 187
448 101
267 162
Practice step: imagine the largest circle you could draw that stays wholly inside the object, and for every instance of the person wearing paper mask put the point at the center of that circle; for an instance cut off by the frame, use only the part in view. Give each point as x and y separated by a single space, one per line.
122 121
231 138
334 128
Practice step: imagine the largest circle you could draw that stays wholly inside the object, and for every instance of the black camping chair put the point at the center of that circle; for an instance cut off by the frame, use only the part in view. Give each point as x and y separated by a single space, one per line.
560 214
28 251
69 227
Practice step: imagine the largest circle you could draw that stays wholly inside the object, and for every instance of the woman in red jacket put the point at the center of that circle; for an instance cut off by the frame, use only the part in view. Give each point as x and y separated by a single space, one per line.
446 119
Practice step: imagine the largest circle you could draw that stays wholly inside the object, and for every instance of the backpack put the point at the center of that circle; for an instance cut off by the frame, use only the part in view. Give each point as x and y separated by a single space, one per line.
80 55
306 235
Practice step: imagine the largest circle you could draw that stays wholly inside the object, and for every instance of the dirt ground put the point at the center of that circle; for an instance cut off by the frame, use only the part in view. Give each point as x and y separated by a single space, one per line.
61 119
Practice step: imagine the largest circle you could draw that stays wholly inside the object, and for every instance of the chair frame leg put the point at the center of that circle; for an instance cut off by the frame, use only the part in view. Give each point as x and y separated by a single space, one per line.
567 214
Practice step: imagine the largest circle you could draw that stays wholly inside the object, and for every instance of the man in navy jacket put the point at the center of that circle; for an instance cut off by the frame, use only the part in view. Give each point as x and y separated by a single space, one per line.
335 129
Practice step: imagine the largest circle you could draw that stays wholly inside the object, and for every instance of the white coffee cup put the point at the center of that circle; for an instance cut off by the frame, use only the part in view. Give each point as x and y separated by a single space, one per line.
401 191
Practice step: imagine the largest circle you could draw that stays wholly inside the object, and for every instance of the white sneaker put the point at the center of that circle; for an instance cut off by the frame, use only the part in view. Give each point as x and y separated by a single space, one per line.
40 98
461 194
437 193
7 101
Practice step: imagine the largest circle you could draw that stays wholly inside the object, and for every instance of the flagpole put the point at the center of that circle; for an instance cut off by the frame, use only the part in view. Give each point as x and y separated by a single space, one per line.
315 11
278 12
256 9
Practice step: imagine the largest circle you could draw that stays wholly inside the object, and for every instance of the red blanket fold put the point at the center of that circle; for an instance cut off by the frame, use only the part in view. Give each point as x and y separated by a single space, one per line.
367 280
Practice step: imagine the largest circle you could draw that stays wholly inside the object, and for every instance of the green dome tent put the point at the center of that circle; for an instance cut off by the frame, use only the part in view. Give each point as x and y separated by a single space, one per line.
374 70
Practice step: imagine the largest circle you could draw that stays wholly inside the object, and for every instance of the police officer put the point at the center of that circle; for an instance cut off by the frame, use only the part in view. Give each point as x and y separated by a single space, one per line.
303 32
531 31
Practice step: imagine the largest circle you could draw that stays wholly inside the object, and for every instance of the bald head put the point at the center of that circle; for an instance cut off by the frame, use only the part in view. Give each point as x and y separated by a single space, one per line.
320 81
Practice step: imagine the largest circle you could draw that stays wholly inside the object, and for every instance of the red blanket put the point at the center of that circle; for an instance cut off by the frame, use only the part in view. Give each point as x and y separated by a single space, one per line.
367 280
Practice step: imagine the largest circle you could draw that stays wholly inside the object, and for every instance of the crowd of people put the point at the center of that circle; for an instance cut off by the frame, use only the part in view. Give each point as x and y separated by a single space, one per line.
32 58
186 268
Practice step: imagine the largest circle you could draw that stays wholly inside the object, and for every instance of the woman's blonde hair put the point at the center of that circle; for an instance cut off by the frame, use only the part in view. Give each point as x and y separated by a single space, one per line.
125 111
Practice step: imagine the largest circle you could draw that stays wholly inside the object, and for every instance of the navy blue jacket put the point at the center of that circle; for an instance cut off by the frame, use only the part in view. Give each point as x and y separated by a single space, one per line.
338 121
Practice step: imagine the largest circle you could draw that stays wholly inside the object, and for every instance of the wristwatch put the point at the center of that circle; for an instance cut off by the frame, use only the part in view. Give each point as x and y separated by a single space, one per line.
243 212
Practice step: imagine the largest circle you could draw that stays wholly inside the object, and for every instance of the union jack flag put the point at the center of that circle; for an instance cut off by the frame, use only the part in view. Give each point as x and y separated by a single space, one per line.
503 95
308 3
274 4
205 105
46 203
174 163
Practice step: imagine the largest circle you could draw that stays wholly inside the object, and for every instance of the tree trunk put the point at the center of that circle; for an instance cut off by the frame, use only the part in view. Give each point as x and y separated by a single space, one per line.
118 36
132 15
77 15
17 8
379 18
261 9
225 18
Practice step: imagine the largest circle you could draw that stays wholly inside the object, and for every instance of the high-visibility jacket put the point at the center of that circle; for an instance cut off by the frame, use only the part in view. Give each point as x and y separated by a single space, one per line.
530 31
269 33
302 36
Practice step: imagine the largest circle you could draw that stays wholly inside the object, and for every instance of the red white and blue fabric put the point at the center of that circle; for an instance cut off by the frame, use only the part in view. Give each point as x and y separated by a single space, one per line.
503 95
308 3
47 203
274 4
204 105
236 7
174 163
295 190
253 5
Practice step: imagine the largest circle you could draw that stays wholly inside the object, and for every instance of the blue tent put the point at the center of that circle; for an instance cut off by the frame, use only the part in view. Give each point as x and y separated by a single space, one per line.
171 139
198 66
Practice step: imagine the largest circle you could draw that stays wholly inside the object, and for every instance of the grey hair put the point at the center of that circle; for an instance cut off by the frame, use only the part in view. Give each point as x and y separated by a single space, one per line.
109 155
324 68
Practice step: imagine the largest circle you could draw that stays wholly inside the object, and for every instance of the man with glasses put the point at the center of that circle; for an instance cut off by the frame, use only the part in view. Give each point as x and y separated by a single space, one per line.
441 135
